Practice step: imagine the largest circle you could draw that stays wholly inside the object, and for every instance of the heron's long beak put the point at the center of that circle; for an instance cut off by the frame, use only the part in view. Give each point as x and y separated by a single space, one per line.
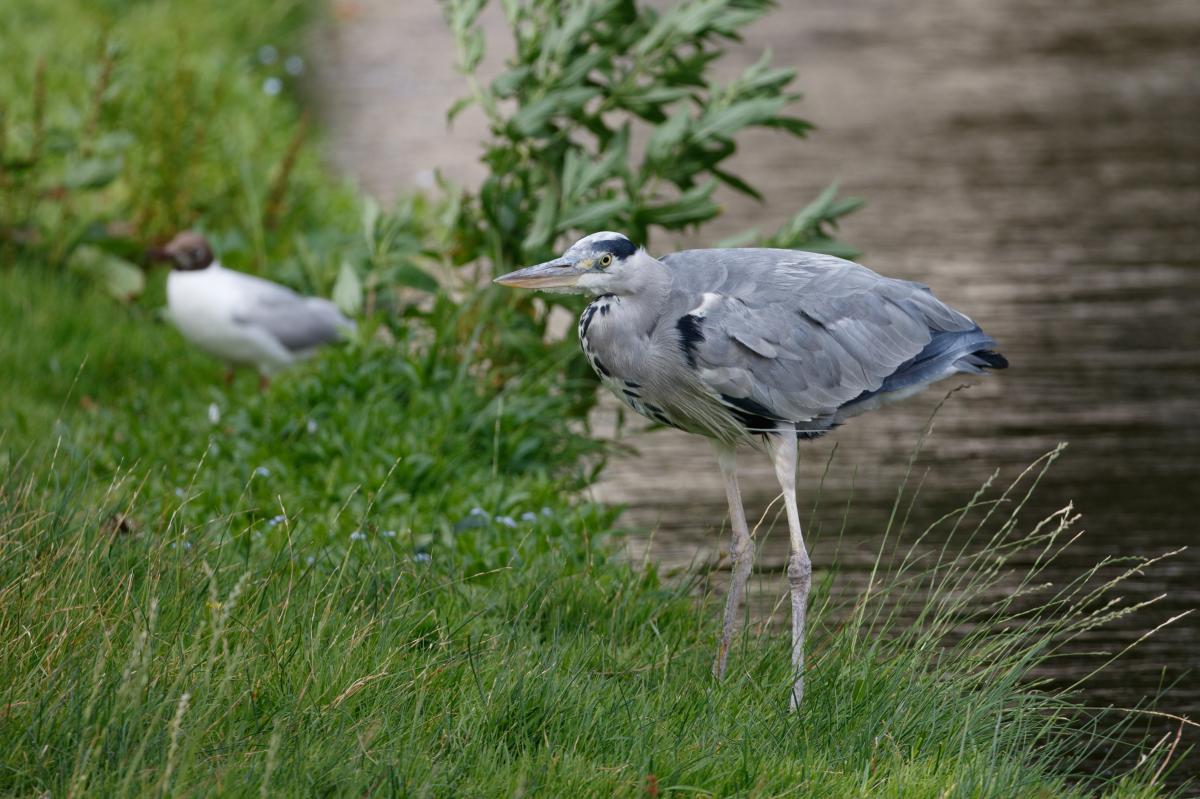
559 273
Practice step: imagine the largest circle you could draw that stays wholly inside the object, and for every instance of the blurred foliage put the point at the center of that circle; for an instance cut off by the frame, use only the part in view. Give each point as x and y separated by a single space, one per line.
609 117
401 433
122 123
589 78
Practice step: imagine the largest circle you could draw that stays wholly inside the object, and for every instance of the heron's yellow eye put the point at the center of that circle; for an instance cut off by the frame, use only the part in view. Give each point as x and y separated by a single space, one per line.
605 260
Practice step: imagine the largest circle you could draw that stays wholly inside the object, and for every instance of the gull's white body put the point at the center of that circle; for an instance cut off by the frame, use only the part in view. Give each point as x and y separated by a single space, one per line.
248 321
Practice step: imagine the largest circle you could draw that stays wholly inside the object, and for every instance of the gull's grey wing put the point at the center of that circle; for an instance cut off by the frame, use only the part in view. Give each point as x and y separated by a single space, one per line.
796 336
297 322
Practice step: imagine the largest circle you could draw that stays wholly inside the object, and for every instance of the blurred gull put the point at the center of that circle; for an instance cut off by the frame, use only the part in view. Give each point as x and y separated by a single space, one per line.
242 319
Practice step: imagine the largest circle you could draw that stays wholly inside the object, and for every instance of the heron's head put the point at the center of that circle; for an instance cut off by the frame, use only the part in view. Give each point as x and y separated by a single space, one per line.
602 263
187 251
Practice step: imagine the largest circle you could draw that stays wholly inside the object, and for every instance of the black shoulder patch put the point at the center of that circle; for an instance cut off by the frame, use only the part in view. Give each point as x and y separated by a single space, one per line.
690 334
618 248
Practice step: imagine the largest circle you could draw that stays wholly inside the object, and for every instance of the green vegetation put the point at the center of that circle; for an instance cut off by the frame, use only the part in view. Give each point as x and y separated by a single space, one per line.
379 577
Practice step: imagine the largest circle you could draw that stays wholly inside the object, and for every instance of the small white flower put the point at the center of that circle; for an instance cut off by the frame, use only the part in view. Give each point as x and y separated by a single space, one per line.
294 65
272 86
179 492
310 560
187 544
389 533
479 512
311 426
214 413
547 512
507 521
358 535
529 516
263 471
274 520
267 54
422 557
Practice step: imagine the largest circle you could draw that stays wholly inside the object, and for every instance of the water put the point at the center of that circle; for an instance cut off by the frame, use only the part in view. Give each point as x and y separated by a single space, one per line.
1038 164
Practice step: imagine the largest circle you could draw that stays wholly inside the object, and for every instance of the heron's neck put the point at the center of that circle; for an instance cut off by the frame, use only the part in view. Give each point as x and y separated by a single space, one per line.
649 281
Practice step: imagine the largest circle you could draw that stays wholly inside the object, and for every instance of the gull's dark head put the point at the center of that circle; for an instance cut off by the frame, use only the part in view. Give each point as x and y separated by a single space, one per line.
602 263
187 252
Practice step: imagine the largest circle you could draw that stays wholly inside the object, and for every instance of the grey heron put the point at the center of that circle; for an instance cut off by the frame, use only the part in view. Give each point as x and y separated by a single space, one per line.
242 319
759 347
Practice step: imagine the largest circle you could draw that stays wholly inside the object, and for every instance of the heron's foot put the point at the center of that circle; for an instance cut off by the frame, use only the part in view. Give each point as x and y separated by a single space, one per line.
718 667
742 555
797 695
230 374
264 382
800 579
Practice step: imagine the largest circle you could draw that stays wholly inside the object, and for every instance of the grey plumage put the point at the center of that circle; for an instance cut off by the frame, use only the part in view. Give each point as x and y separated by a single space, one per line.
757 346
775 336
299 323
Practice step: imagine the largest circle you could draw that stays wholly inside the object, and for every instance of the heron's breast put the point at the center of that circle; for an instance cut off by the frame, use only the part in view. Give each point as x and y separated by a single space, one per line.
625 356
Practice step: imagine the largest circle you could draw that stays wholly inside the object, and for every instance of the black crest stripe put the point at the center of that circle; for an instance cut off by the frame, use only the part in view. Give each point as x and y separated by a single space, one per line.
618 248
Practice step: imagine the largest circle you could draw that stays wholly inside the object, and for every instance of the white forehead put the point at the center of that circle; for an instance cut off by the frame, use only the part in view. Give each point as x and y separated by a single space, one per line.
585 244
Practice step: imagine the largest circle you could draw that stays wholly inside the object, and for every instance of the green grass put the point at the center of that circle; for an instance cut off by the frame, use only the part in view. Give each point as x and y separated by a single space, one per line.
162 632
380 577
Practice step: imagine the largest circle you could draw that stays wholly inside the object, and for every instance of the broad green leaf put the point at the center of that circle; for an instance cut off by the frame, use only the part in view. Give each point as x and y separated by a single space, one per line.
413 276
507 84
457 107
607 166
348 290
737 184
93 173
531 119
473 50
574 164
797 127
543 222
122 279
693 206
666 137
577 69
113 142
370 219
593 216
725 122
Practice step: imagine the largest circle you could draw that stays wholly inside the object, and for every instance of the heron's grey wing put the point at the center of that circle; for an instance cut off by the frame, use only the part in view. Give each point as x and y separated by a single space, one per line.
297 322
795 336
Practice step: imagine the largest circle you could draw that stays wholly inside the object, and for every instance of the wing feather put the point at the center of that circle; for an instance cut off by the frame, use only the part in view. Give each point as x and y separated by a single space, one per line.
802 334
297 322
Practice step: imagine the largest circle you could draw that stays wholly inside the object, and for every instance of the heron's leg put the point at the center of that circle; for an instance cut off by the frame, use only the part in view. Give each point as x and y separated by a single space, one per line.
741 551
782 446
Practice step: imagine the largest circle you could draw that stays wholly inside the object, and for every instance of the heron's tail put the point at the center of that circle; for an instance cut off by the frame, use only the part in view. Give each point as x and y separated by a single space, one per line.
979 360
